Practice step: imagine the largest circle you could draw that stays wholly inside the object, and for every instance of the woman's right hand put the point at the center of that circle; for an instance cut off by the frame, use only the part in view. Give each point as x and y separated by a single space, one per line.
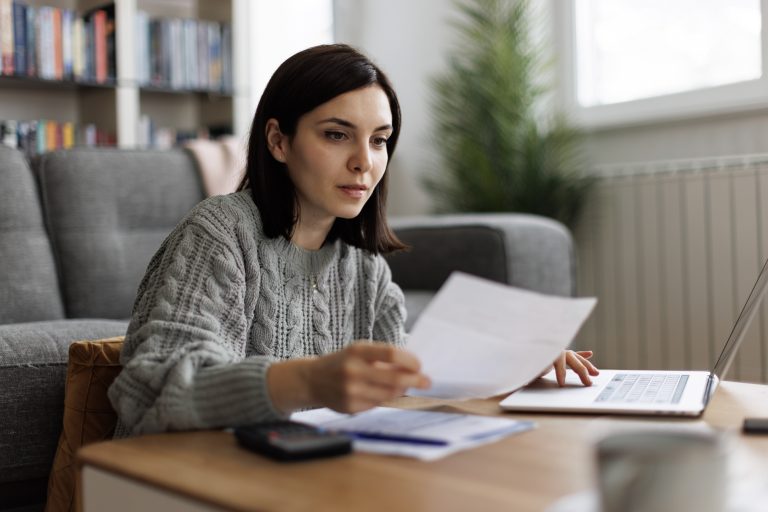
361 376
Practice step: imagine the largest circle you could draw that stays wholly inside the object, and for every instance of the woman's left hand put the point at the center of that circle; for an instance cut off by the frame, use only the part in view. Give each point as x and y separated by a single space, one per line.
578 361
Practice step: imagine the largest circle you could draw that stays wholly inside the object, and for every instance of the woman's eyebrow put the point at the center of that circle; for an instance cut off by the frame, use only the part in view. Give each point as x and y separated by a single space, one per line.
344 122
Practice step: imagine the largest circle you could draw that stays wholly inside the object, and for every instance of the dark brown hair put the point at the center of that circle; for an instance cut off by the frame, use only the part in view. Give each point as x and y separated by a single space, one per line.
302 83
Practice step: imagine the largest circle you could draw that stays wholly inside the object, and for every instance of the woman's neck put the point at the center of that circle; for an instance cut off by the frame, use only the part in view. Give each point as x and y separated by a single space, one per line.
311 235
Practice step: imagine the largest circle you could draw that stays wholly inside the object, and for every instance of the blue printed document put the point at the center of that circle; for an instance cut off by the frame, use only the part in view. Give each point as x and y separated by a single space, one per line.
425 435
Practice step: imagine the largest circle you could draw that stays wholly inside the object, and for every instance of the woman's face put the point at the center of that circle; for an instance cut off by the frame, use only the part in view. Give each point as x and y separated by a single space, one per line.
338 154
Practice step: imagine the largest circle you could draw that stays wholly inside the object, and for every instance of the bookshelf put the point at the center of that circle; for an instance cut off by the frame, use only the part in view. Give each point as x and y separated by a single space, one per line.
121 107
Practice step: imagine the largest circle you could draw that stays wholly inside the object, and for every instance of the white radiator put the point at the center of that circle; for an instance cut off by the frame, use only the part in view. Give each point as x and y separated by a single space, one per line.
671 250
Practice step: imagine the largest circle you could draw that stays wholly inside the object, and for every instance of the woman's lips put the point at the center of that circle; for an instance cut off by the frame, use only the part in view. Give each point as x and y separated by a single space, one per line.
354 191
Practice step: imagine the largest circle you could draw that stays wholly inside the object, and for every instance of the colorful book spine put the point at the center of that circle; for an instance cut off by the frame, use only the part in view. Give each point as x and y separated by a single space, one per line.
68 135
99 19
67 49
156 52
47 44
78 49
31 41
6 37
40 139
203 67
143 61
190 46
58 58
39 136
110 39
50 135
227 80
20 38
214 46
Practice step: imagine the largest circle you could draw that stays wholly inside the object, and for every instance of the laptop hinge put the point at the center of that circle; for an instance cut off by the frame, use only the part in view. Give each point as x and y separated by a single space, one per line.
709 389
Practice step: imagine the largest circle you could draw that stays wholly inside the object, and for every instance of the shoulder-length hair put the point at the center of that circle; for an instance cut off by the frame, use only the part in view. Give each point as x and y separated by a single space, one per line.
302 83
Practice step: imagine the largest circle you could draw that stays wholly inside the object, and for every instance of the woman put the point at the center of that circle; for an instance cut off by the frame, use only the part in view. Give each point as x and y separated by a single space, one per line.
269 300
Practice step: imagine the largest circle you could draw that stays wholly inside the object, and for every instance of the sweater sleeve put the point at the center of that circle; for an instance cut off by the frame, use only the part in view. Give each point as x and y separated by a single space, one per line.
184 364
390 314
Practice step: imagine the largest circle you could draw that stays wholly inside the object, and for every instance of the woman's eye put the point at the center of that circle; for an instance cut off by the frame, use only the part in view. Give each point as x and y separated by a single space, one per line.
337 136
379 142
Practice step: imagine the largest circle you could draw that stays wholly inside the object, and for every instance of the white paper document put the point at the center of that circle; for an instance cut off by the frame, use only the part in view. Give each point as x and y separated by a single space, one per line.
425 435
478 338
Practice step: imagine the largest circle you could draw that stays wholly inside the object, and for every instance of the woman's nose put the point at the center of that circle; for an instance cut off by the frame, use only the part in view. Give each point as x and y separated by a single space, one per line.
361 160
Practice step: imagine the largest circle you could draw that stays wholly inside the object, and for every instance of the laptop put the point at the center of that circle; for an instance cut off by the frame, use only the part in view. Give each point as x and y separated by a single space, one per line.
675 393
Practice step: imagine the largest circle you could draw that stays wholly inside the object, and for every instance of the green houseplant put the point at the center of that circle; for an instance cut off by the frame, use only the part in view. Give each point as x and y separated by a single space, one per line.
499 153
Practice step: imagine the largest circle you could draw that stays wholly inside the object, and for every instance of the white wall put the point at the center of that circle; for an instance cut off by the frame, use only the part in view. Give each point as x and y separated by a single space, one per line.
734 134
279 30
409 40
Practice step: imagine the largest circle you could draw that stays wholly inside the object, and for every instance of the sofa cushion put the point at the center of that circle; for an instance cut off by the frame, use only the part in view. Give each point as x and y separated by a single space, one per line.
33 360
436 251
29 288
527 251
105 222
88 414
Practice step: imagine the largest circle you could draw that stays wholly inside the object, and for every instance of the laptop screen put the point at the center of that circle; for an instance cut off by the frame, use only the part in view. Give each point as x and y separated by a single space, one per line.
745 317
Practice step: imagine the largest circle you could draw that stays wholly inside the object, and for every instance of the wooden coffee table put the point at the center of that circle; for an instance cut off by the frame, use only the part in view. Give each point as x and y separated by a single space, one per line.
207 470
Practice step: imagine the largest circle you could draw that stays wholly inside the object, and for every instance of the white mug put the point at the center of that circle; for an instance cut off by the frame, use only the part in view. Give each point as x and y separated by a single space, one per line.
659 471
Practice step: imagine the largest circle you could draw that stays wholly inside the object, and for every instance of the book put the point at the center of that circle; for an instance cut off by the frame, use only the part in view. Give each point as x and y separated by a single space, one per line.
40 143
58 60
143 55
190 28
227 80
20 38
203 71
99 22
31 13
50 135
214 62
156 76
88 61
46 45
6 37
78 48
67 48
110 28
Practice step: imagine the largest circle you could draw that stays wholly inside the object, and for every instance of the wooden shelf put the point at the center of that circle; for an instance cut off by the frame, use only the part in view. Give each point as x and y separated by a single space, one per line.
171 90
13 81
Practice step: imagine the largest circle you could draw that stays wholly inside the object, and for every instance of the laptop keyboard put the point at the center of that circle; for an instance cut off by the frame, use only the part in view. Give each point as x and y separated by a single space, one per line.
644 388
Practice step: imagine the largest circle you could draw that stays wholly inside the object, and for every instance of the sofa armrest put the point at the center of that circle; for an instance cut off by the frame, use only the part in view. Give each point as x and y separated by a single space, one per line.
526 251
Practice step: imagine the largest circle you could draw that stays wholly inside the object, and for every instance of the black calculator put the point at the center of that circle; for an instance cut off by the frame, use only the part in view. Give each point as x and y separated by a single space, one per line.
292 441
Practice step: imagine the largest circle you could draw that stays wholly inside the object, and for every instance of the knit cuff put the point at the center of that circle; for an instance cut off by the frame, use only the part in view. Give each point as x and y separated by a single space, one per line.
234 394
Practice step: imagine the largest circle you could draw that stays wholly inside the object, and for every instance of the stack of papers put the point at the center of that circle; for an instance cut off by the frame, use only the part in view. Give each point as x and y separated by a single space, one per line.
424 435
479 338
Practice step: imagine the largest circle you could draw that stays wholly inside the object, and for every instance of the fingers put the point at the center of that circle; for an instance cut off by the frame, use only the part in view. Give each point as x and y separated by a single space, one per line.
560 368
372 352
577 364
591 367
391 376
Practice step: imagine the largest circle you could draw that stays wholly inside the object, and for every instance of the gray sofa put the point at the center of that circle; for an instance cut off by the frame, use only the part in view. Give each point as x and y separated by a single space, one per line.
77 229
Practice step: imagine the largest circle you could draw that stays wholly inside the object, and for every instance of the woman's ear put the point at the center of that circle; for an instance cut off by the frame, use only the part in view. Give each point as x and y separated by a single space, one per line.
277 143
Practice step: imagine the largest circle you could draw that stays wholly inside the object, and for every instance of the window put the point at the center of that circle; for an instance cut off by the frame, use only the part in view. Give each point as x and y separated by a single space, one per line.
630 61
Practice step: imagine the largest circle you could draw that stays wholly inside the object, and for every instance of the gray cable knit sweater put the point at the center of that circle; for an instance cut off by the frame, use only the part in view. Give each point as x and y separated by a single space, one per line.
220 302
